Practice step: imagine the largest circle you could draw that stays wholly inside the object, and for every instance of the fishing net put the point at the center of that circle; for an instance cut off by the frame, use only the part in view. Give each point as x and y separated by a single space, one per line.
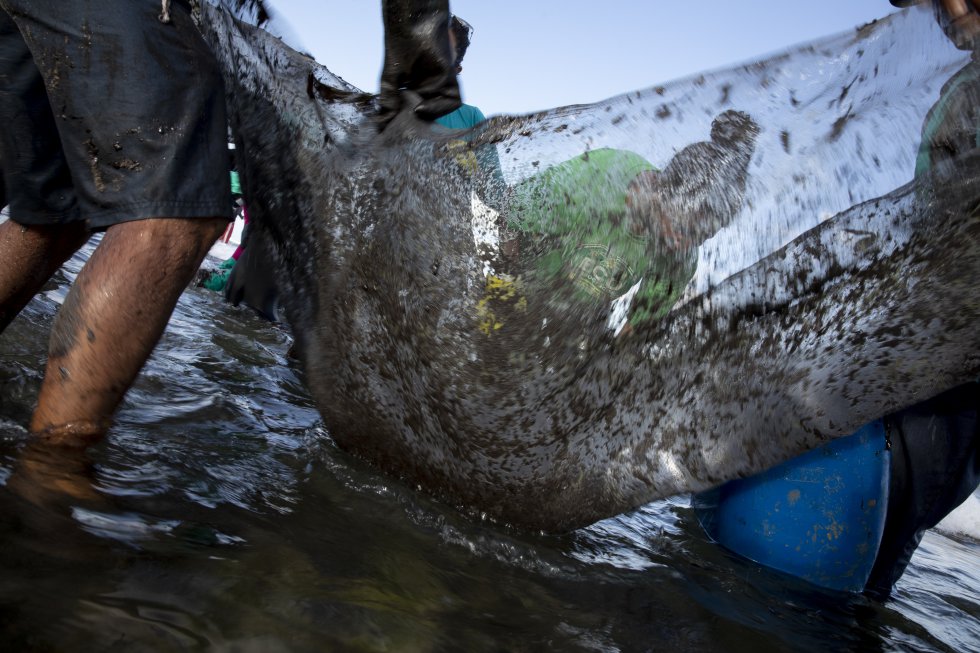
553 318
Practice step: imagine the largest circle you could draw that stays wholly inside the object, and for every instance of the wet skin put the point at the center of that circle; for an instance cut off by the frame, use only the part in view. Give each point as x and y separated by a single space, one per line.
112 317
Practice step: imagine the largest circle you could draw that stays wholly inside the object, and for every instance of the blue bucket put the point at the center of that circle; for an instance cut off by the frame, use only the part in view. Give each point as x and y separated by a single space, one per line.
819 516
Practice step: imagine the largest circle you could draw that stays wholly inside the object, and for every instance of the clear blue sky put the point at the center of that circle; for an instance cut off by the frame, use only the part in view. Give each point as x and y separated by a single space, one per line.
538 54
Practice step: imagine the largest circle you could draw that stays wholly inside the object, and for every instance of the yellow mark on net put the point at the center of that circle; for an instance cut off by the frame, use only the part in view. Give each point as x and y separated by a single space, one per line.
464 156
501 292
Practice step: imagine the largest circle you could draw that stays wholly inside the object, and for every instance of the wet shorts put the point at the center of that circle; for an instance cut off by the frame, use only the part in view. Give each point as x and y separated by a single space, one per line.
109 114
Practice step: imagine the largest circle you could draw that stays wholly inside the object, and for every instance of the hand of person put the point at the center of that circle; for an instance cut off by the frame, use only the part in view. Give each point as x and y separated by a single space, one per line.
960 18
419 68
964 21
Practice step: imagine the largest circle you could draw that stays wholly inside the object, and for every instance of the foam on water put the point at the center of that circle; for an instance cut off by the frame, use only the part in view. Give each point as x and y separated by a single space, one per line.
964 521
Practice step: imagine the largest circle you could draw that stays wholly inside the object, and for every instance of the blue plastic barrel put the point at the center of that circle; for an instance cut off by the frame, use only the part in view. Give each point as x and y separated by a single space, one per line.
818 516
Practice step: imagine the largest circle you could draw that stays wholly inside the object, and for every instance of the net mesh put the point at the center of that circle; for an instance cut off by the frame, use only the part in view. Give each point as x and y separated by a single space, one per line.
553 318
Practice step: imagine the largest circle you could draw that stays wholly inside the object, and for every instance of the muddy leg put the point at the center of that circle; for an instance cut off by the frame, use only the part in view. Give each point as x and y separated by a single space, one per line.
111 320
30 256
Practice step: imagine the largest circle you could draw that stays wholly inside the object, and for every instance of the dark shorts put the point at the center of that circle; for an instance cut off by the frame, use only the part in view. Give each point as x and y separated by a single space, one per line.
108 115
935 466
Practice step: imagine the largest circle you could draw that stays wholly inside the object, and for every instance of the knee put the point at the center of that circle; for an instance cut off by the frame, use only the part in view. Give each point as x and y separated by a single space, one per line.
203 231
177 240
212 229
200 234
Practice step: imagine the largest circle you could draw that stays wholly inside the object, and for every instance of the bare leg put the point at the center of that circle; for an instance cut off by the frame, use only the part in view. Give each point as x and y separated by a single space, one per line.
30 256
111 320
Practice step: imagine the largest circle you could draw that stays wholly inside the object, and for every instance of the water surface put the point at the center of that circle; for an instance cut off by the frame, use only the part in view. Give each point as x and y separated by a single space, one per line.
226 519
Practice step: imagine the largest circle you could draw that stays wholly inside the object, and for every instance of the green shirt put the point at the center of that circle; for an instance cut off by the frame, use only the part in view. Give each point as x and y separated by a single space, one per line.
953 124
580 205
462 118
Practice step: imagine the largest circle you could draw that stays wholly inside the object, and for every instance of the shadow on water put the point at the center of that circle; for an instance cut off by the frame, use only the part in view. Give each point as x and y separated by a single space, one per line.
227 520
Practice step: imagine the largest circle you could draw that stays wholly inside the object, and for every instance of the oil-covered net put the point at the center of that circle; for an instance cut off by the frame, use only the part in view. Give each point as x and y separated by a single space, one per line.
556 317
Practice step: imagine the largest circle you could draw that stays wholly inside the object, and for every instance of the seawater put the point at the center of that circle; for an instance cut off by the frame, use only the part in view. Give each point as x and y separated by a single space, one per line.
225 519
